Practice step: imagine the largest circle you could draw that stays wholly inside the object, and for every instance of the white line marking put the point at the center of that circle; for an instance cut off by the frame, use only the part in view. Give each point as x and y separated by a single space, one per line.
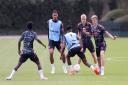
117 59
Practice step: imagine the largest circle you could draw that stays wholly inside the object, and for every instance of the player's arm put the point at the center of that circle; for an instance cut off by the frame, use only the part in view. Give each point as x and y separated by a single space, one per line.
81 43
19 45
87 33
62 32
79 32
110 35
39 41
79 36
62 35
48 28
63 45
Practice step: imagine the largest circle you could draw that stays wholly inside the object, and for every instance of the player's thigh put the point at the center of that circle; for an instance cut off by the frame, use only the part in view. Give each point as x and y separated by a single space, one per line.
102 49
51 50
103 46
81 55
98 52
57 44
102 53
34 58
84 47
23 58
91 47
51 45
71 53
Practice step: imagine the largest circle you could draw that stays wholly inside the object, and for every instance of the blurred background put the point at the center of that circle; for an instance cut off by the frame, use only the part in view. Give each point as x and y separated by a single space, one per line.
14 14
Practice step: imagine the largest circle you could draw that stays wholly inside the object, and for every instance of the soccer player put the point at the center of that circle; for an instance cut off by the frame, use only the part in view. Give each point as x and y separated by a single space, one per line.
27 52
98 32
85 37
74 48
55 34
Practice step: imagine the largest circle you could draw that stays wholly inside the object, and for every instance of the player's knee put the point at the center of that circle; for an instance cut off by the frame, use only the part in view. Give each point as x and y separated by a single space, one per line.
93 54
102 54
51 52
98 57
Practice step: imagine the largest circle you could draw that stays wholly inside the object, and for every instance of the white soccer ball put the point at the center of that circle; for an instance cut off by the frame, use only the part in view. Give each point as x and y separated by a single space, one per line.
76 67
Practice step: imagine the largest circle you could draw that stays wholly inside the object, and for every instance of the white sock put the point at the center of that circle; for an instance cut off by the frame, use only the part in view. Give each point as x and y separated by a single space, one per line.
41 73
64 65
92 67
102 68
12 73
69 67
52 65
96 65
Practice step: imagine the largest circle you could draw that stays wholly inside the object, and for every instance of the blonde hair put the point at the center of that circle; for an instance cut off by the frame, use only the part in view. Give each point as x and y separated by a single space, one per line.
94 16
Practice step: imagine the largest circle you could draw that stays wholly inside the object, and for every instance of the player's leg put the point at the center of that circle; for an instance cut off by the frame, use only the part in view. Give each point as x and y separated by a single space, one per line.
94 57
71 53
84 60
98 57
84 50
51 52
22 59
63 58
92 51
35 59
102 56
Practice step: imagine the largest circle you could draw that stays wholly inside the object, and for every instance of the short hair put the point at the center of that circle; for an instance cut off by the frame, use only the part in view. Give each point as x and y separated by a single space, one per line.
94 16
29 25
69 27
55 11
83 15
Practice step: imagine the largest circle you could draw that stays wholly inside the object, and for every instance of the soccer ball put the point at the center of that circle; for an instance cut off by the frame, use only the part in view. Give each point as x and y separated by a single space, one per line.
76 67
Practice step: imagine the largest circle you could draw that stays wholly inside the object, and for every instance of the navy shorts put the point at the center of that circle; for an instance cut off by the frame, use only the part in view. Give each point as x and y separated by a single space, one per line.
53 44
100 47
77 50
32 56
89 45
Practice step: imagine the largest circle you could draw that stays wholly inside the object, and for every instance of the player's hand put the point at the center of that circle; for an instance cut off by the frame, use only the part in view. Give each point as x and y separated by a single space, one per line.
114 37
19 52
81 50
60 57
84 30
45 46
61 44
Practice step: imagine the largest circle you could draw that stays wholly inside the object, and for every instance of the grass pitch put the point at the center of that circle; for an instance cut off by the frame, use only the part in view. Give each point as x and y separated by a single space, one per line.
116 69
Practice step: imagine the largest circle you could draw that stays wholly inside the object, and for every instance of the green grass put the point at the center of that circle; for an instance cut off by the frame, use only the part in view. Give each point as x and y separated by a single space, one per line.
116 70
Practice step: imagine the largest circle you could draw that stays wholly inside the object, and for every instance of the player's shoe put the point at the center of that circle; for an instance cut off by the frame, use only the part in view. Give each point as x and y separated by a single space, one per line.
102 73
71 72
64 69
97 71
53 71
8 78
44 78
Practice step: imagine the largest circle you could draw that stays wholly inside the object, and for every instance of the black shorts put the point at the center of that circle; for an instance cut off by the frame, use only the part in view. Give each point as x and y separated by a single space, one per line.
100 47
89 45
77 50
53 44
32 56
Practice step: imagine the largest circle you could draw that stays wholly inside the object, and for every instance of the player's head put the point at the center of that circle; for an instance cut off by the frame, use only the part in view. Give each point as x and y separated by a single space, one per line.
29 25
69 28
55 15
94 19
83 18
